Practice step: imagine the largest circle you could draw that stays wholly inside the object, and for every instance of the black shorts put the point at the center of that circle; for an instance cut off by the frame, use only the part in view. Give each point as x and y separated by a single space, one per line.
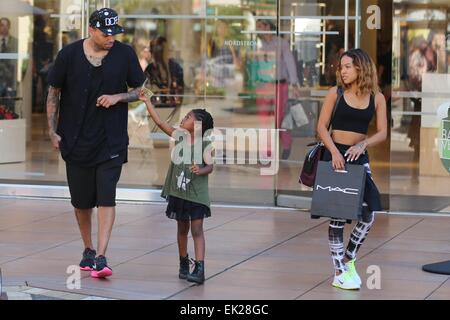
94 186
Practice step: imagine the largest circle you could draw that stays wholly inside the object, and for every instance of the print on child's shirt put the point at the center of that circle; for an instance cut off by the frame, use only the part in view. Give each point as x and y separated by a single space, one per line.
182 181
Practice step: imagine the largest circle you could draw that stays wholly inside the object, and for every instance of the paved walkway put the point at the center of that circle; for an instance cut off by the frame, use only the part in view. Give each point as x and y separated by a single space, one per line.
251 254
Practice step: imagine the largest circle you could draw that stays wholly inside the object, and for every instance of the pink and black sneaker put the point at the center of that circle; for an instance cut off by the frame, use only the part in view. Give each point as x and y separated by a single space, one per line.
101 269
87 263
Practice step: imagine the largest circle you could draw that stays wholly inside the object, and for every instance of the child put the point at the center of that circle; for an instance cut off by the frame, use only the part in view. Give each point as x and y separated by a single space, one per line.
186 190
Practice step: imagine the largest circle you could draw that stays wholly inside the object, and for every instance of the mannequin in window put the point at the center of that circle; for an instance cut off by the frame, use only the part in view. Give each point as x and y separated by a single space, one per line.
8 67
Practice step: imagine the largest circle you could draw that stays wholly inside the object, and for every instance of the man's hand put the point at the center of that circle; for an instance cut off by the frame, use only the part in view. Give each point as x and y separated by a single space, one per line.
56 139
107 101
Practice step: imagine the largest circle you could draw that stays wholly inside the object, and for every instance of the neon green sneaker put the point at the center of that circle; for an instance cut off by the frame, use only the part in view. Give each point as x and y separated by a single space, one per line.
352 270
345 281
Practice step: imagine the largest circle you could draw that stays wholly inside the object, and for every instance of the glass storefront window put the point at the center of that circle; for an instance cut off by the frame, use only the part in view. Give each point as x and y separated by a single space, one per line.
420 173
317 34
239 59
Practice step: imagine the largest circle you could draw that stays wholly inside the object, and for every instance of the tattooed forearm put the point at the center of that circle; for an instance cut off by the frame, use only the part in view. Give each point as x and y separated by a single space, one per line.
52 108
130 96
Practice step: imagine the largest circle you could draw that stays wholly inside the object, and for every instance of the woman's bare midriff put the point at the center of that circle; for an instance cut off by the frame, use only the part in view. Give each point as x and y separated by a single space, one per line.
348 138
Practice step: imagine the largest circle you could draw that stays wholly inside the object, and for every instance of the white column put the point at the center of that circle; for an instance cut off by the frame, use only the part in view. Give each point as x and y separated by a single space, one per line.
346 24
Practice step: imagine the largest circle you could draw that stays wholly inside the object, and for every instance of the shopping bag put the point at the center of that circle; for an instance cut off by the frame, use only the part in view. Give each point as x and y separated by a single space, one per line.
338 194
288 121
299 115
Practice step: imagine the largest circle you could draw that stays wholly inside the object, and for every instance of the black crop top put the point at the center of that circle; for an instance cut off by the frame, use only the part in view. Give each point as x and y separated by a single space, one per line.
347 118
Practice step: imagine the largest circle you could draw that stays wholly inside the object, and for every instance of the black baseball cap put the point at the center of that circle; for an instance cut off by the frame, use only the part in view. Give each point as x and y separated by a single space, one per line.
107 20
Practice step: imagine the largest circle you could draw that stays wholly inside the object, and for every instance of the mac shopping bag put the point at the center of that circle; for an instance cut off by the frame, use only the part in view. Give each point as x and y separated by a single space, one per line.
338 194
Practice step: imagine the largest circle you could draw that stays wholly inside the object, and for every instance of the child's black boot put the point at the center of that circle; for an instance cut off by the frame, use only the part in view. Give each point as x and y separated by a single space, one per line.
198 275
184 267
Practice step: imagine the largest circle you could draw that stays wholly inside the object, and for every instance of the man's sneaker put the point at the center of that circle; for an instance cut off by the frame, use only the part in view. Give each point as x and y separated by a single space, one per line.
352 270
101 269
87 263
345 281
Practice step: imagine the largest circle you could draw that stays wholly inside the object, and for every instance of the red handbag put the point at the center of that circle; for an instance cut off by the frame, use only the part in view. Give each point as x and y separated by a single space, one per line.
313 156
308 173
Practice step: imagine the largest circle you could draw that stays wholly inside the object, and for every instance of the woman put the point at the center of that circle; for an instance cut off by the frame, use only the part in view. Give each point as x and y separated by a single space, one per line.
348 142
223 58
165 76
273 82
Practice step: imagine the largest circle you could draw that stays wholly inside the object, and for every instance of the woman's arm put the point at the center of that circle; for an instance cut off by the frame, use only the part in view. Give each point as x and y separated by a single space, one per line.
325 118
381 135
289 61
338 160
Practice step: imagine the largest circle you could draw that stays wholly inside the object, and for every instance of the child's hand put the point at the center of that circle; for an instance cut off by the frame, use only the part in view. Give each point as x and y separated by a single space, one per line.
142 95
195 169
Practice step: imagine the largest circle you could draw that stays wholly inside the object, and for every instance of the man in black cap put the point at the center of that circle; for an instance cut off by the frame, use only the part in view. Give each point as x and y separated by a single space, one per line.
87 112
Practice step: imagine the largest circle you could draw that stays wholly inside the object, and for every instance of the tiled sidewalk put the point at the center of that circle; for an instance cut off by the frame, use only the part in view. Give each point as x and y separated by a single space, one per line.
252 253
28 293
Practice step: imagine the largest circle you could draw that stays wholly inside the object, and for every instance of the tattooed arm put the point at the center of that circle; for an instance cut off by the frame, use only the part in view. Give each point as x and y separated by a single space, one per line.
107 101
52 115
130 96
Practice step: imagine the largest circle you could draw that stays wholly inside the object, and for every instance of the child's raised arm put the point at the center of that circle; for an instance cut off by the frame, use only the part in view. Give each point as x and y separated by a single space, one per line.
164 126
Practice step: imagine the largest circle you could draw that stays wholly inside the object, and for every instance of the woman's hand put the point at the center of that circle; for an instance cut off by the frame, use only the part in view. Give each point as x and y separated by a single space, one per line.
338 161
296 89
354 152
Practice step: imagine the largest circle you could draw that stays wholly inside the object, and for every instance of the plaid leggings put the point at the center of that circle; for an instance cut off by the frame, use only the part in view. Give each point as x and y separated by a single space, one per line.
362 228
336 239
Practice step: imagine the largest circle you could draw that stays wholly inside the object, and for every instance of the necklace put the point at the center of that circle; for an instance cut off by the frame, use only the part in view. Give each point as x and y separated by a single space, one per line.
96 61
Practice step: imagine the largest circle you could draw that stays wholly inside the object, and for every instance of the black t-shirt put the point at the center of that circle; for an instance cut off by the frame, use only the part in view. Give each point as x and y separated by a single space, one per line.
72 73
91 146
